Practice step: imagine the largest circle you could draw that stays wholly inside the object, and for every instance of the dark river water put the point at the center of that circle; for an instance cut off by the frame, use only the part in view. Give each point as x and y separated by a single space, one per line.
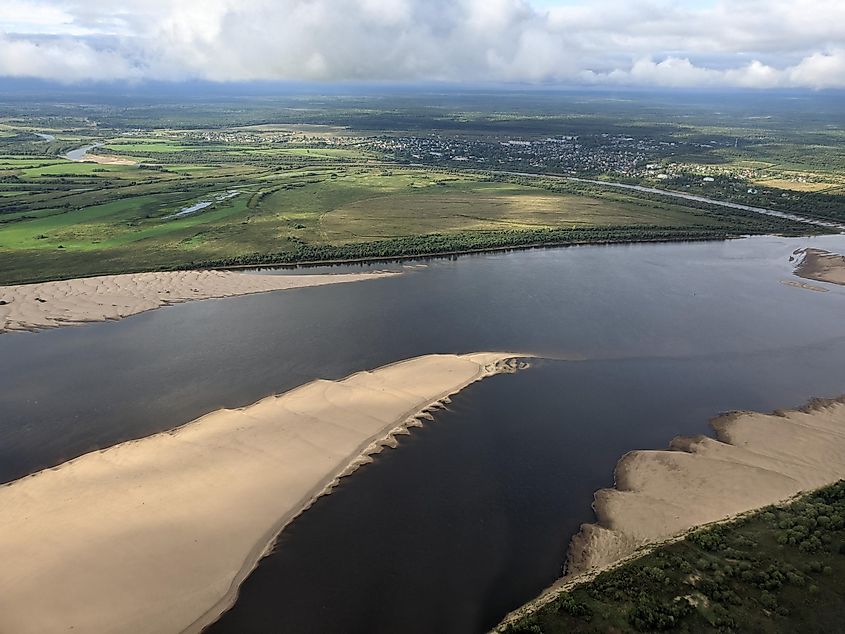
471 515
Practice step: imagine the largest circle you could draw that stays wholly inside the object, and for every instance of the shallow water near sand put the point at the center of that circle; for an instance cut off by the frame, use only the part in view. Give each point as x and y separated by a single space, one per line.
471 515
203 204
79 153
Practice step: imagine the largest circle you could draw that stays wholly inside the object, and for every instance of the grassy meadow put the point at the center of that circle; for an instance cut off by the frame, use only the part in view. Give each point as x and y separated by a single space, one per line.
320 189
107 218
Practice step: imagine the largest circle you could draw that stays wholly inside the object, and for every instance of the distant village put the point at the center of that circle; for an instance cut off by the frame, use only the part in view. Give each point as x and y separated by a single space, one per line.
594 154
638 159
565 154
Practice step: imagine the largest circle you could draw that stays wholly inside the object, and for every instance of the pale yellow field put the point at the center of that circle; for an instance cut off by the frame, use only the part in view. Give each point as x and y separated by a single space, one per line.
493 208
796 185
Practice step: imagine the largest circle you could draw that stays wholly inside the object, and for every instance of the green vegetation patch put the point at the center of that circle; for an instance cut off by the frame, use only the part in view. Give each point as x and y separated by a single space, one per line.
70 168
347 177
454 207
97 219
153 146
781 569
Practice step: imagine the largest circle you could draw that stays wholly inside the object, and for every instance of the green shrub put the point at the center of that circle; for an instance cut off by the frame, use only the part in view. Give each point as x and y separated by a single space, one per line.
566 603
650 616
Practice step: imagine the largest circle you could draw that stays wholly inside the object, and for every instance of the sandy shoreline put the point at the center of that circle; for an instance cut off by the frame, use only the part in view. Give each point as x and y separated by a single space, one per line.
156 535
29 307
821 266
755 460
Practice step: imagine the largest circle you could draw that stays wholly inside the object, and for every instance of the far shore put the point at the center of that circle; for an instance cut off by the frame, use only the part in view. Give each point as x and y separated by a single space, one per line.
30 307
155 536
219 265
816 264
446 254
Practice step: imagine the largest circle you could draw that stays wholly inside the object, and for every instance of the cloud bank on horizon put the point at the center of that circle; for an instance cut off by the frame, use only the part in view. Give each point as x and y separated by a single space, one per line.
736 43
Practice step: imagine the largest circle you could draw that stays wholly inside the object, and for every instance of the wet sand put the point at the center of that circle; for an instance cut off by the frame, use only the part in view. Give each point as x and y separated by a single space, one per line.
804 285
821 266
156 535
77 301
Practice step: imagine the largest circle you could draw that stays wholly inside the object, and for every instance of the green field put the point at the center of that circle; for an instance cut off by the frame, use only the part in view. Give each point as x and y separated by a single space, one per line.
114 218
780 570
333 182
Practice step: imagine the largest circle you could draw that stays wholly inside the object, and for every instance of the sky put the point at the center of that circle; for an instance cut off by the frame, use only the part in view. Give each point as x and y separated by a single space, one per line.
643 43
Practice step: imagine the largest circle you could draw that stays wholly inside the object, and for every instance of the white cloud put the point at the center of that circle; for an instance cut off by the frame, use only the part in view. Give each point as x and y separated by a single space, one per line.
64 60
819 70
35 17
751 43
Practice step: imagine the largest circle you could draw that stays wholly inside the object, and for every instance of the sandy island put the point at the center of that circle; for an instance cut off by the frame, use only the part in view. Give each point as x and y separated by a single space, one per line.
821 266
755 460
54 304
155 535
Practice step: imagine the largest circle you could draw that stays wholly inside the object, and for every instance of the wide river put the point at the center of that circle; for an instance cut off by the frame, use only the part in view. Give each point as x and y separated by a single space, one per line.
471 515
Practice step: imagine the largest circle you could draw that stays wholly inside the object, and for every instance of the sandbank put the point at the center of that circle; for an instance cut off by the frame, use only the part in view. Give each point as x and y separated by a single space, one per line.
155 535
804 285
76 301
754 461
107 160
821 266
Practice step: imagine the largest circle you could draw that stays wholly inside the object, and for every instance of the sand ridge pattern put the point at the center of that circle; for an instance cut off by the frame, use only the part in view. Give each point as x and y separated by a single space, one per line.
155 535
54 304
754 461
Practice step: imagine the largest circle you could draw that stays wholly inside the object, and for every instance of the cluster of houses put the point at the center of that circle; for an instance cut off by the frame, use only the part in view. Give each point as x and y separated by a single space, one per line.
603 153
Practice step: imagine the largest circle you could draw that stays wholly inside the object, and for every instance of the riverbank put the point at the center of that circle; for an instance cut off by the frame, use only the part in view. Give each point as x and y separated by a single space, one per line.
469 243
84 155
156 535
821 266
30 307
777 569
755 460
292 264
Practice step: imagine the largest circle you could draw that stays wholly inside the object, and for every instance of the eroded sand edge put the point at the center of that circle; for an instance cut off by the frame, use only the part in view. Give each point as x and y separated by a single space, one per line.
155 535
755 460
